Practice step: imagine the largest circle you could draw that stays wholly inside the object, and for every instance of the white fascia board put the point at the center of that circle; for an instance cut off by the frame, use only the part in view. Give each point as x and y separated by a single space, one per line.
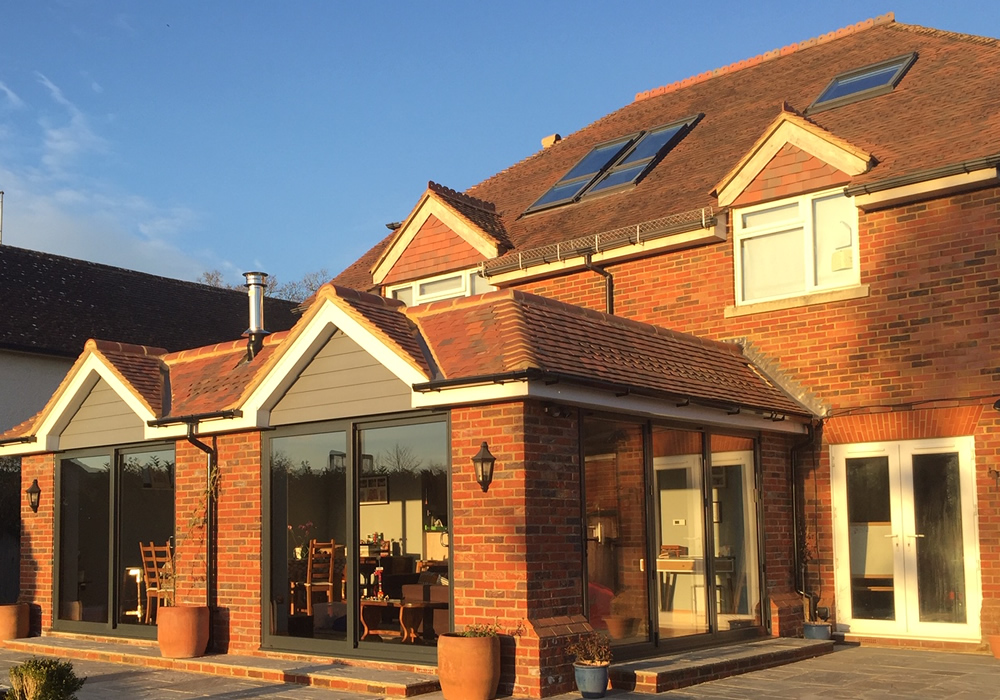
604 401
789 133
458 225
686 239
929 188
328 319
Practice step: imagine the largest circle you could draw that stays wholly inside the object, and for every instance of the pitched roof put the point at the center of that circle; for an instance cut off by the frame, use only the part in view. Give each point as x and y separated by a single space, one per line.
944 111
53 304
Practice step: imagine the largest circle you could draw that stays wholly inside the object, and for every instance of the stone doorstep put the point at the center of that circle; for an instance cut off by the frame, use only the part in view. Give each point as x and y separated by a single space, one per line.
685 669
355 676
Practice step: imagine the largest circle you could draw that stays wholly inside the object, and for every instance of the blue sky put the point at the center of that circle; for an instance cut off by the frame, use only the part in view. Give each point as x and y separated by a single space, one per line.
176 137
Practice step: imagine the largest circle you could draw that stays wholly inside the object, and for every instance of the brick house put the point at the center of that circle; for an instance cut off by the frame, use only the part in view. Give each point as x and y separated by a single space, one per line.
730 346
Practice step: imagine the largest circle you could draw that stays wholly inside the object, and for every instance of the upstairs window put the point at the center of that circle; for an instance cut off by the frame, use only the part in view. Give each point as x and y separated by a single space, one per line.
614 165
870 81
454 284
796 247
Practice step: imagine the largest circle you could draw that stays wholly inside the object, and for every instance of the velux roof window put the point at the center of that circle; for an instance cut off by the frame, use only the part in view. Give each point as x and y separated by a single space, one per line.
614 165
862 83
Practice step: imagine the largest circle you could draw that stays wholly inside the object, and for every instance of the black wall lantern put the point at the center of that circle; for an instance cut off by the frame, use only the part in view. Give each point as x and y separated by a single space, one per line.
483 462
34 495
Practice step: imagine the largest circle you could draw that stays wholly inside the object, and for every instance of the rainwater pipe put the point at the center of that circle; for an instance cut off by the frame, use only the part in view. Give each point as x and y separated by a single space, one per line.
800 563
609 284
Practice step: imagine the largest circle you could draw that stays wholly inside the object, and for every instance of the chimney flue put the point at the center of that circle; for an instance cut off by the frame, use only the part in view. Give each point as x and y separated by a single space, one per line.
256 281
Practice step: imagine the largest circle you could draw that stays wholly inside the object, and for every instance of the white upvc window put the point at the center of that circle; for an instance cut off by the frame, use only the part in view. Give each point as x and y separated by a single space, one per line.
796 247
454 284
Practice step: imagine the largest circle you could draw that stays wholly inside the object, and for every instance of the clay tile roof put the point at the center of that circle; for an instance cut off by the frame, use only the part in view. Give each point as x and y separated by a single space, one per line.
481 213
511 330
141 367
53 304
945 111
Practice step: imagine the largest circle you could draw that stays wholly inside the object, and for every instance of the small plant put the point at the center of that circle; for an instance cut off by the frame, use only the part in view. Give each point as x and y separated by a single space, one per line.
592 649
491 629
44 679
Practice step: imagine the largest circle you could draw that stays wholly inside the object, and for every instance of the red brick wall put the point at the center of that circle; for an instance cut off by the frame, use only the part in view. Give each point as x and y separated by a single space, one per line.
790 172
926 331
518 548
435 249
38 541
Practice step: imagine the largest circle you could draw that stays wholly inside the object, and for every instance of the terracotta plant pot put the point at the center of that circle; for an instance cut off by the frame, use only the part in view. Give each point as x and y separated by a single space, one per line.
14 621
182 631
468 667
619 626
994 640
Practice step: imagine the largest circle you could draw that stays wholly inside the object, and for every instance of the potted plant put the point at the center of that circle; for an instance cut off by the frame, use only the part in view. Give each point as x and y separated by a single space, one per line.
592 656
14 621
469 661
620 622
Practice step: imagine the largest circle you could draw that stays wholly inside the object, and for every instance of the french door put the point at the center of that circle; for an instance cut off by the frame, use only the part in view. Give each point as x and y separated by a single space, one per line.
905 539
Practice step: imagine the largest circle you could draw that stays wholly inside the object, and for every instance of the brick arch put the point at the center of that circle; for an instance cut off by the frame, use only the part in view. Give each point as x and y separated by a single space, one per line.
902 425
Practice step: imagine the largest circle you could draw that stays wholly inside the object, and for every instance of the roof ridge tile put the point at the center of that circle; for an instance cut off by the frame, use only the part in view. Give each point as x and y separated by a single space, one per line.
468 199
888 18
106 346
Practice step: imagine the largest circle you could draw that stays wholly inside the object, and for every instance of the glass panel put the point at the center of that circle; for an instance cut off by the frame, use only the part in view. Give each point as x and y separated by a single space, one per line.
443 286
402 559
614 481
480 285
146 514
596 160
561 193
619 176
734 519
680 565
835 220
773 265
404 294
859 83
11 494
308 534
937 511
870 539
650 144
774 215
85 499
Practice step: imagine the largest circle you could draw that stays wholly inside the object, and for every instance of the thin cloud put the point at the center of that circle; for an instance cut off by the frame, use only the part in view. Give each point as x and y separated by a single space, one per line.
64 143
12 97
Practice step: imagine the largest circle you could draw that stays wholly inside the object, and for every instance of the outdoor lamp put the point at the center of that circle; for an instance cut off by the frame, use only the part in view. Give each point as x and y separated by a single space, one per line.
35 493
483 462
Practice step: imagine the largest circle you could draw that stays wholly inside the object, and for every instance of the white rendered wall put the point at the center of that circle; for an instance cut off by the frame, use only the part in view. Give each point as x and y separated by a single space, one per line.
26 383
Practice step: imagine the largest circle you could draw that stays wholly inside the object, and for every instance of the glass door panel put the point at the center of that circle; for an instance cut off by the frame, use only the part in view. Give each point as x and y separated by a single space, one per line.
308 536
734 524
146 515
681 595
871 539
615 514
403 593
84 532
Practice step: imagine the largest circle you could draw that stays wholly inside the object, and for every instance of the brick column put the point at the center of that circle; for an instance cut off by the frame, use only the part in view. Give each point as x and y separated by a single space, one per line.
38 542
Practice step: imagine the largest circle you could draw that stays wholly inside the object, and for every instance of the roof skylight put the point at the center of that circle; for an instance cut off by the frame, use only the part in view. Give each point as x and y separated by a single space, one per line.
614 164
860 84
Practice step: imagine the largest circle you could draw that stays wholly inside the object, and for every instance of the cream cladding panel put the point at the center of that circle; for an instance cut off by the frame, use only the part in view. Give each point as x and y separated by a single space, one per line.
342 380
103 419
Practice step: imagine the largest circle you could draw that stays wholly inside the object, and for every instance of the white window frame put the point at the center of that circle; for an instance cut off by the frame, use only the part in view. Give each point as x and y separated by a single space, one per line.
806 222
465 290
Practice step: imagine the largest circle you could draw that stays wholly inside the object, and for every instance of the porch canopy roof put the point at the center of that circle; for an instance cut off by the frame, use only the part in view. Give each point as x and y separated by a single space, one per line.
499 346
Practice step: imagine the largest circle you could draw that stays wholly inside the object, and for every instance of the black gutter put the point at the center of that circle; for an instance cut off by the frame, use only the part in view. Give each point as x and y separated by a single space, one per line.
15 440
967 166
609 284
549 377
194 418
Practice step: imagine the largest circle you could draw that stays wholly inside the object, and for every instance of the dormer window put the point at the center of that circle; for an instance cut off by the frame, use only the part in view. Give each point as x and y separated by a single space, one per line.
870 81
454 284
614 165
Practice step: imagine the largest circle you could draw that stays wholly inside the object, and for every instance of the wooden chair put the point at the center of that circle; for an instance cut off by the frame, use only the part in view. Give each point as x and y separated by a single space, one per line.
322 573
157 568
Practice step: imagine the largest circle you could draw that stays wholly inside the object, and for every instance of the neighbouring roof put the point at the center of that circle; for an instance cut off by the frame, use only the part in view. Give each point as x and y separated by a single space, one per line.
944 111
494 336
53 304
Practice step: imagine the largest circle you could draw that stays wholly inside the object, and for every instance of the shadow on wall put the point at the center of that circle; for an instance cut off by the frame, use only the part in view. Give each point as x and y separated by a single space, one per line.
10 529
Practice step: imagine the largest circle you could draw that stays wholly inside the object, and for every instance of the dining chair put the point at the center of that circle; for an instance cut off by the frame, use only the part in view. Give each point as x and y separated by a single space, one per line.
157 568
321 573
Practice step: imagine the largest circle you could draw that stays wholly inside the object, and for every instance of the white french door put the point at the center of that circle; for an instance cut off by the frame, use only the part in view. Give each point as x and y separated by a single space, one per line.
906 547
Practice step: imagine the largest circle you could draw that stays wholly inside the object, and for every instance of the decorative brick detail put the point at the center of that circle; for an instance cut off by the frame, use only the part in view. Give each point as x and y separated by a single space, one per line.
903 425
435 249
